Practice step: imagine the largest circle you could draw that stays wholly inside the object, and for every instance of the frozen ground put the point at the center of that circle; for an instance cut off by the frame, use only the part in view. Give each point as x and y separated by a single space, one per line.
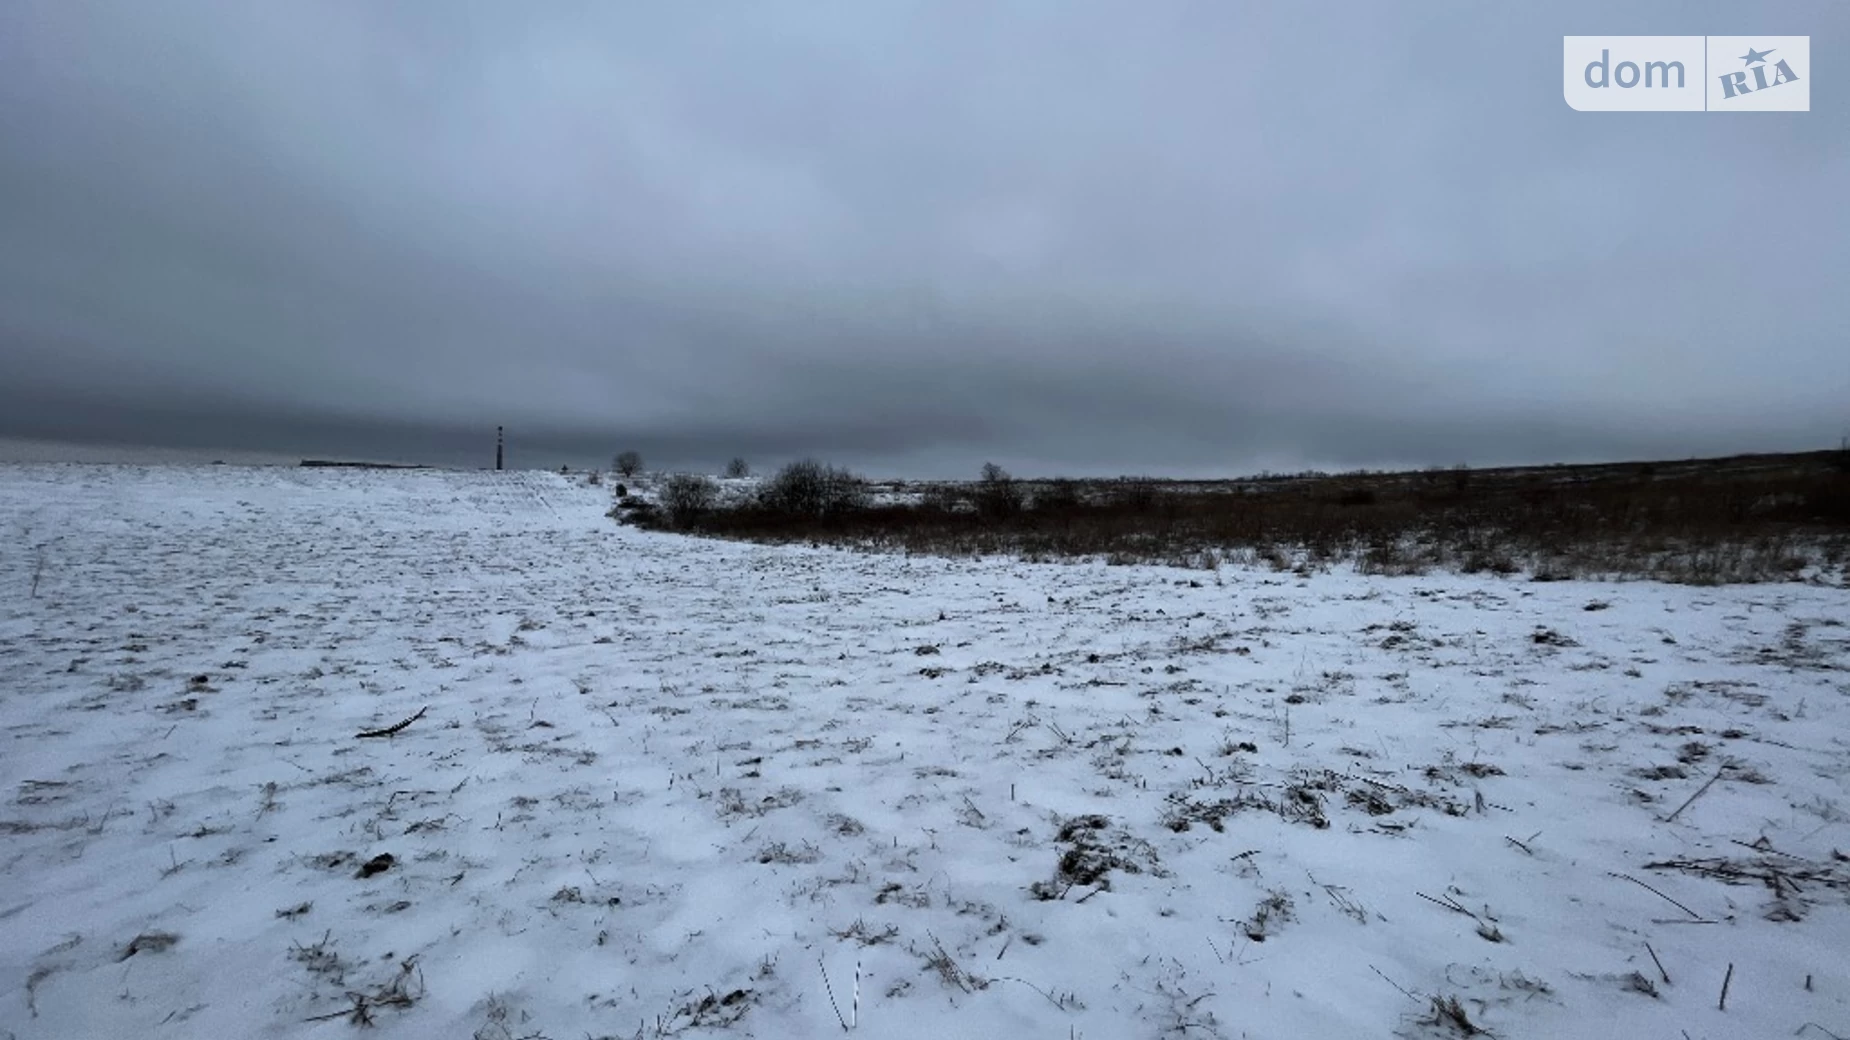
666 787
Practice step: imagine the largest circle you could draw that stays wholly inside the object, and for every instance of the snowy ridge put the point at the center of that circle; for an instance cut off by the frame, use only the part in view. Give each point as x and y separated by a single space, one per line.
671 787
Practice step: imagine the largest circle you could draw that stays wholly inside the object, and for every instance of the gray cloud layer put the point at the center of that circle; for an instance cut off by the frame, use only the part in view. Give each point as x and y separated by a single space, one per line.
1170 237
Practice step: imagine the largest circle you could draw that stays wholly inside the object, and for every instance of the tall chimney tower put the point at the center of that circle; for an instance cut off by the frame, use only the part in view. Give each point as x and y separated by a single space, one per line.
498 447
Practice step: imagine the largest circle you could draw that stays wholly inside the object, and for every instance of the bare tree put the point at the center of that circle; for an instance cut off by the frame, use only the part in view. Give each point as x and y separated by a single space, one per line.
628 463
810 488
998 494
687 497
737 468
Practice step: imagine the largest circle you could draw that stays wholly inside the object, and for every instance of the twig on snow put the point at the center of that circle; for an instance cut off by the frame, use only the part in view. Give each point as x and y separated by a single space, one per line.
389 730
1693 914
1699 792
1049 997
1394 984
1764 846
831 992
1660 964
1448 902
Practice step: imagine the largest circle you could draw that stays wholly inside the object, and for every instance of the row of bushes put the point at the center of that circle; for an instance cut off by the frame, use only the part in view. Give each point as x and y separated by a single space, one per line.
1699 524
805 490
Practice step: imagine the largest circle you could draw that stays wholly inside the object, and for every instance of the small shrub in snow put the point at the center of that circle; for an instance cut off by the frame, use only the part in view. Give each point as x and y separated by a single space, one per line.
686 497
810 488
998 495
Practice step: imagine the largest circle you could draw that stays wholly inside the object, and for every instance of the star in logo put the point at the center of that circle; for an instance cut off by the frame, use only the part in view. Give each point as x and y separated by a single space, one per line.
1754 57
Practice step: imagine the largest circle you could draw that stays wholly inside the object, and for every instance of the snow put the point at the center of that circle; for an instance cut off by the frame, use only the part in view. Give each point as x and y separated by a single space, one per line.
668 786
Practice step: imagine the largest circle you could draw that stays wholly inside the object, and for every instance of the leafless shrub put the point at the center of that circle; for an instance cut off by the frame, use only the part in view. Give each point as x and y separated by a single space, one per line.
628 463
686 497
809 489
738 468
998 495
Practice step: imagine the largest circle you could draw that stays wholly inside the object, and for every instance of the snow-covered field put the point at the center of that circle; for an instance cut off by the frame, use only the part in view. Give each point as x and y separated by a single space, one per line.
660 787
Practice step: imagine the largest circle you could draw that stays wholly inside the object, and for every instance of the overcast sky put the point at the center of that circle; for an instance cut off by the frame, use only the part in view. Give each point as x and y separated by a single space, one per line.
1184 238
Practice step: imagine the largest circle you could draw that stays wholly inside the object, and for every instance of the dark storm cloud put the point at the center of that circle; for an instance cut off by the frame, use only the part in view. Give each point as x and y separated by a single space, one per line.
1160 237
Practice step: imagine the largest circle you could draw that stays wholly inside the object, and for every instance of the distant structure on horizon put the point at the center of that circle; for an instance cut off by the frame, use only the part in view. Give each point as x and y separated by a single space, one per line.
498 447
